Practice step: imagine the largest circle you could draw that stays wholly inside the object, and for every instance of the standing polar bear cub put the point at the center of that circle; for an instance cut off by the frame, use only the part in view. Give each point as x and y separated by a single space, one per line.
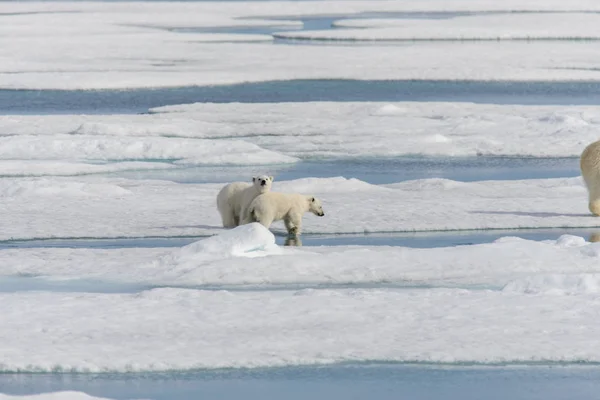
235 197
290 208
590 170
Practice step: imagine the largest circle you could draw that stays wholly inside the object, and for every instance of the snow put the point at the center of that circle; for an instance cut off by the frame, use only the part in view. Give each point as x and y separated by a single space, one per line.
66 395
236 299
545 26
175 329
185 151
243 241
248 256
15 168
511 301
282 132
95 207
556 284
378 129
96 45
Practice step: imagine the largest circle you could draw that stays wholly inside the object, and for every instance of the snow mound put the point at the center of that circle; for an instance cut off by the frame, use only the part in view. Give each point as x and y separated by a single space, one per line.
390 109
236 242
566 241
252 240
559 284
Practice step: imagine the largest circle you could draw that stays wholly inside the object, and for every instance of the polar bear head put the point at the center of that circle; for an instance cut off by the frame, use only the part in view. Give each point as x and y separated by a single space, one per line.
262 183
315 206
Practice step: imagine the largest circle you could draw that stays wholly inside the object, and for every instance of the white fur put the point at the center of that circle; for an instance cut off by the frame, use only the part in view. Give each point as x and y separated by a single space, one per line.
289 207
235 197
590 170
261 184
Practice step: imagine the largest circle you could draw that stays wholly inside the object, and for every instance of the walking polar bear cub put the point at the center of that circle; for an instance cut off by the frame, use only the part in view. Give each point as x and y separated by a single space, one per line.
289 207
590 170
234 198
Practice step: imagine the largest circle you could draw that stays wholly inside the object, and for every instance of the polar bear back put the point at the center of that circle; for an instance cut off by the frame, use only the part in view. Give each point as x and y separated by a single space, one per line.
231 194
276 206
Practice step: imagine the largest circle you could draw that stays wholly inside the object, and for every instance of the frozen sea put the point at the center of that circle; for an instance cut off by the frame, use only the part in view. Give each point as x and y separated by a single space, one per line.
457 258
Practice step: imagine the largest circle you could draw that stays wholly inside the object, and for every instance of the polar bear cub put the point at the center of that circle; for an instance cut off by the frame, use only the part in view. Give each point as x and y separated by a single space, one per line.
235 197
590 170
289 207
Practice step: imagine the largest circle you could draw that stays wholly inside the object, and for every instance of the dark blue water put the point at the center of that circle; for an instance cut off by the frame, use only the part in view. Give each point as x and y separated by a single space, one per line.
377 170
340 90
367 382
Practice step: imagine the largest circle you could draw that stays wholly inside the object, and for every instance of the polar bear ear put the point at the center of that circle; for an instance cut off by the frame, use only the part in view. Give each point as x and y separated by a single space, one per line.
253 179
312 199
271 178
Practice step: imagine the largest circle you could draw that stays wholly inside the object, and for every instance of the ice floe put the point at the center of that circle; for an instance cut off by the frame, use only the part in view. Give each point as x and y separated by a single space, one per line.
113 45
175 329
510 26
110 208
512 301
248 255
209 134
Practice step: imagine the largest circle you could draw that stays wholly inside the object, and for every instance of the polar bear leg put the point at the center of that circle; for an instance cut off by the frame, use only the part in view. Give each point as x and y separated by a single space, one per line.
258 215
265 221
245 217
293 224
228 218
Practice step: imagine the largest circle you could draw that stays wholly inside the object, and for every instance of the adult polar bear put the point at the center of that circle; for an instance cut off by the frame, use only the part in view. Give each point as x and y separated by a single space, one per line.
289 207
590 170
234 198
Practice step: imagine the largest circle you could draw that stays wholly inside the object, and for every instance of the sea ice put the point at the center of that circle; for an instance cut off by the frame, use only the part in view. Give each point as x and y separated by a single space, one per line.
177 329
184 151
14 168
113 45
247 255
512 301
279 133
92 207
378 129
510 26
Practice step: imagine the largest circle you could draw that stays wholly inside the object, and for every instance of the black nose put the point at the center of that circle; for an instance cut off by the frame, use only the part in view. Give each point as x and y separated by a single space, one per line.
322 214
263 183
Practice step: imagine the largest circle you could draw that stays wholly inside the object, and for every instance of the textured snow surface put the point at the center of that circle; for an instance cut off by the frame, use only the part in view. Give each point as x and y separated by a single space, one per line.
557 26
97 45
109 208
512 301
248 255
263 134
166 329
